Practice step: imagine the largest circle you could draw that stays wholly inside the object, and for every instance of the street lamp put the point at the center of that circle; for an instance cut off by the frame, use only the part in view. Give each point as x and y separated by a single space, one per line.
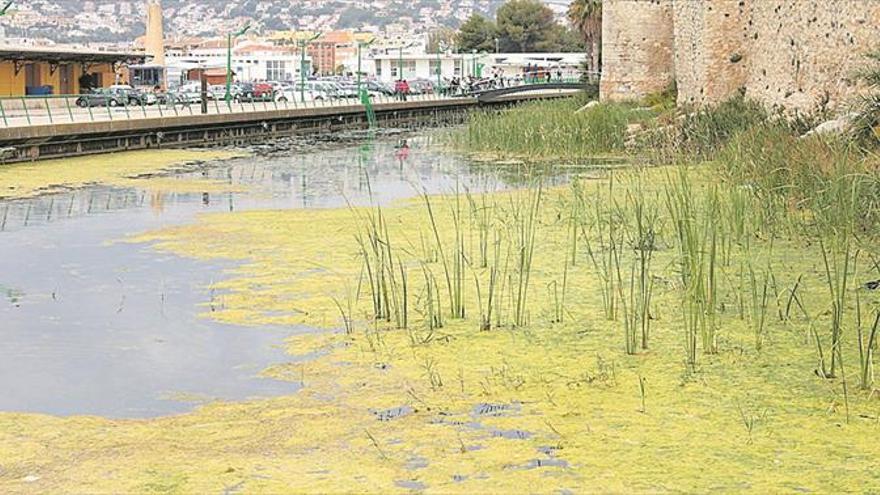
474 62
400 60
229 38
497 45
477 69
441 47
361 45
302 65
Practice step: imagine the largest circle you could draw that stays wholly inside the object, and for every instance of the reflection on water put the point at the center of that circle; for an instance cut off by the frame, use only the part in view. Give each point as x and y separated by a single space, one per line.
91 326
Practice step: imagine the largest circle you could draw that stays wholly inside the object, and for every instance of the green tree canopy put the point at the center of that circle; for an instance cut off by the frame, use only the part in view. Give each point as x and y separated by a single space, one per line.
528 26
440 38
477 33
586 17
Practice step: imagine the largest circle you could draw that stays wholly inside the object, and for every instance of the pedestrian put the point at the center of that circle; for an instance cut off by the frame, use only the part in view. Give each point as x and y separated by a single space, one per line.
404 89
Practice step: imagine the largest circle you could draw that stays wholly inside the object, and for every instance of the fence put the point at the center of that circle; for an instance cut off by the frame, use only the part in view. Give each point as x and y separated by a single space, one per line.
61 109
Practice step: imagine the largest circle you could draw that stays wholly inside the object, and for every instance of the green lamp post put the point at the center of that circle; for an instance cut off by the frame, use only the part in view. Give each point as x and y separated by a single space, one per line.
303 44
441 47
229 38
400 60
5 9
474 63
361 46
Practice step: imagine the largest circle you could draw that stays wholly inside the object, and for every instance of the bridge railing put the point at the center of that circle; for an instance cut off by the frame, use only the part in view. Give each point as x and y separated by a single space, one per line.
22 111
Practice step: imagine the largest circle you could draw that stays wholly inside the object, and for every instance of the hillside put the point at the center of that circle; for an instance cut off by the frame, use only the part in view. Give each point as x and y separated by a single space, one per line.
122 20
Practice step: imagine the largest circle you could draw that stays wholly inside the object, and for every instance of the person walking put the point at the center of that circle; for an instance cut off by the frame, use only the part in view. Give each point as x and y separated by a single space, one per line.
399 91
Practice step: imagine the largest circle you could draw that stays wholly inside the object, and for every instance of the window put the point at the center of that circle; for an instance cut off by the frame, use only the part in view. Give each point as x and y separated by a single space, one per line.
435 67
409 68
276 70
457 67
378 69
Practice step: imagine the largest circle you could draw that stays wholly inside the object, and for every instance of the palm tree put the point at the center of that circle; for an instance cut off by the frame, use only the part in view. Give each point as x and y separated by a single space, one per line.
586 16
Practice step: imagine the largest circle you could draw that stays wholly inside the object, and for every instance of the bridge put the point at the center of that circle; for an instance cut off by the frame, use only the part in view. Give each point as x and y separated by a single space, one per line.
36 128
496 94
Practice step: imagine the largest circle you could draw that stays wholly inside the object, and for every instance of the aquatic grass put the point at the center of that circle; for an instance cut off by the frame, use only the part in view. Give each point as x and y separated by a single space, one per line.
643 240
605 257
454 300
523 224
543 130
696 221
758 287
837 260
387 279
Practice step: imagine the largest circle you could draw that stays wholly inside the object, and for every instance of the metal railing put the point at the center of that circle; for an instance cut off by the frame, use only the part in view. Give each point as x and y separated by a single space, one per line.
26 111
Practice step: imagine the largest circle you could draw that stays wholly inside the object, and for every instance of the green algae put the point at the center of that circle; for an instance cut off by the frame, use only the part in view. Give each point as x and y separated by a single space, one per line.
545 407
120 169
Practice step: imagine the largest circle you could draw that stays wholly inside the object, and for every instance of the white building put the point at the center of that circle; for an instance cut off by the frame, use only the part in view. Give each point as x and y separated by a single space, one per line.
386 66
251 60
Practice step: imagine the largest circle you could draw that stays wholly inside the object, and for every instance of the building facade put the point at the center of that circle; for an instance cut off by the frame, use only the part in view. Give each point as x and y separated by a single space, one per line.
793 54
387 66
34 70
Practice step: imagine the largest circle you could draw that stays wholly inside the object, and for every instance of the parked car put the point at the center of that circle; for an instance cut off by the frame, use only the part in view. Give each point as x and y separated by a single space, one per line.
245 92
186 94
264 91
106 97
292 93
376 88
421 87
346 90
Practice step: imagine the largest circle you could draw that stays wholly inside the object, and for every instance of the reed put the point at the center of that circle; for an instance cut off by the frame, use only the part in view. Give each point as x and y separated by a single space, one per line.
524 227
556 129
605 256
695 220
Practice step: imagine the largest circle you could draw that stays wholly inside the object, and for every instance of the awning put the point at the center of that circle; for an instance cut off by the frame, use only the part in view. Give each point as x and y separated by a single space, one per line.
59 55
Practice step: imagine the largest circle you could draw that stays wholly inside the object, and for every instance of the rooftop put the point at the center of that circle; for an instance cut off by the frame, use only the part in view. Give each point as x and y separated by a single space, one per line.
66 53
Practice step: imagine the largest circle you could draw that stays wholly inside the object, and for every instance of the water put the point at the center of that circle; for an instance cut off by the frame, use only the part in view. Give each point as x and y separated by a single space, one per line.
98 327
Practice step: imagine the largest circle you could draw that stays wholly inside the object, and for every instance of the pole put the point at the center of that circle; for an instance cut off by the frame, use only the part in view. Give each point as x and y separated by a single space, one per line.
439 65
229 38
302 72
302 65
228 67
360 45
400 64
474 63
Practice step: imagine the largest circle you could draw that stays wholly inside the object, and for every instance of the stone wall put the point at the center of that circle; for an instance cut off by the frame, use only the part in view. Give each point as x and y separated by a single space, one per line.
796 54
710 49
637 47
804 53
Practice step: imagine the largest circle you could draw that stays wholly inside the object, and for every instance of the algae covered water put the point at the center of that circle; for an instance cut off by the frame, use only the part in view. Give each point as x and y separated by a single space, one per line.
95 325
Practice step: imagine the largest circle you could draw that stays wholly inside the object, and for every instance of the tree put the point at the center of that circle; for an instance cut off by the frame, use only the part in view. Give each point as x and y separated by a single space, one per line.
569 40
527 26
477 33
586 17
440 38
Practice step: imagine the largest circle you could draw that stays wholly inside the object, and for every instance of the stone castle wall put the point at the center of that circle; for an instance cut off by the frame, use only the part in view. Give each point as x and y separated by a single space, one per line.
637 47
796 54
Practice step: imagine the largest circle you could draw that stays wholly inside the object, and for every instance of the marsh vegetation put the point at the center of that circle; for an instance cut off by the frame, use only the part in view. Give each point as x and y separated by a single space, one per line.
703 318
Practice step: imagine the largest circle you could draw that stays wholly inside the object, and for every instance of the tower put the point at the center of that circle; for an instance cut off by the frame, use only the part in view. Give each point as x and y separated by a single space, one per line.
155 39
638 39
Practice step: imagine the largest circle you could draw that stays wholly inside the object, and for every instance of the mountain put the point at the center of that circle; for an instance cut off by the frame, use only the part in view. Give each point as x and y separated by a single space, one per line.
123 20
